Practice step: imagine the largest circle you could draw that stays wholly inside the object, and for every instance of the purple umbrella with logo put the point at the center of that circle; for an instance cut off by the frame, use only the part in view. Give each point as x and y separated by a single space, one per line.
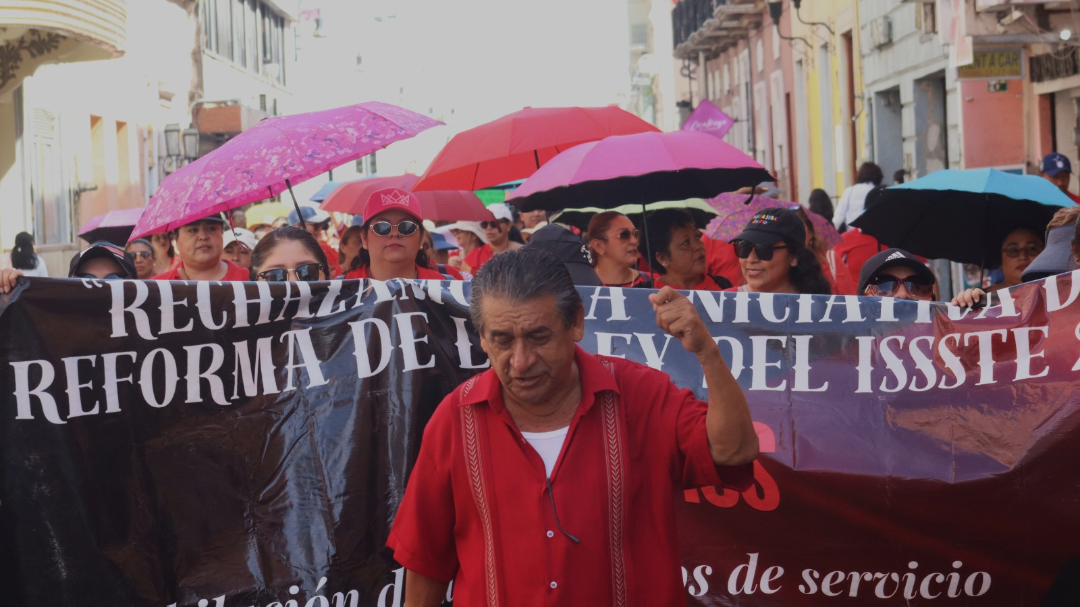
271 156
735 210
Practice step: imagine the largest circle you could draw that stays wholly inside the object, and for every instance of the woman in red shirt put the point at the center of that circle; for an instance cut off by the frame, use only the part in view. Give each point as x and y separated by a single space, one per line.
678 253
392 234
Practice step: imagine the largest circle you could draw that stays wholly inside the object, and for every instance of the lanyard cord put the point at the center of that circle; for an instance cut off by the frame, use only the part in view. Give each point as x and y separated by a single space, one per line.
551 494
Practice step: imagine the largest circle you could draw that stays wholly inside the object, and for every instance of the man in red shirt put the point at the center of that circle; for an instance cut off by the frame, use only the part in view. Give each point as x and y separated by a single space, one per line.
200 244
1057 169
497 232
551 478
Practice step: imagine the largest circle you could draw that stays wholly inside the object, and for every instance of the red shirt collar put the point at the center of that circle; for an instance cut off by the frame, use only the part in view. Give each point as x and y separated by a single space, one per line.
594 377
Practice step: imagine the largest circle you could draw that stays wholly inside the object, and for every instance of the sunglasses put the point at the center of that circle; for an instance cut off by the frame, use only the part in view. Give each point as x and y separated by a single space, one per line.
491 225
140 254
886 285
88 276
1031 250
764 252
308 272
384 228
626 234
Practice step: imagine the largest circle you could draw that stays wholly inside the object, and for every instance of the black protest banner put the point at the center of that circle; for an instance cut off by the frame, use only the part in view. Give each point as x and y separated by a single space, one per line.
246 444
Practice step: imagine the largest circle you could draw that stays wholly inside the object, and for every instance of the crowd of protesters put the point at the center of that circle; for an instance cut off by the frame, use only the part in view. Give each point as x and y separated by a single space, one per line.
779 251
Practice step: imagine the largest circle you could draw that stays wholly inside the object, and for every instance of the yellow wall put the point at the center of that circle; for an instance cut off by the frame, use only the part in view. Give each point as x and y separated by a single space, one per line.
843 18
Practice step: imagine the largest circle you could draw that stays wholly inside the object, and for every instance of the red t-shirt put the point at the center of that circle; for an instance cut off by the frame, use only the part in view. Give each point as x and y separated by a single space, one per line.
421 274
720 260
477 508
234 273
856 248
331 259
841 281
707 284
478 257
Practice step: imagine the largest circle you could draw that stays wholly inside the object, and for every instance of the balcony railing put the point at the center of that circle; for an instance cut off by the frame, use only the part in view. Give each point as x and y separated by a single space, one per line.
709 26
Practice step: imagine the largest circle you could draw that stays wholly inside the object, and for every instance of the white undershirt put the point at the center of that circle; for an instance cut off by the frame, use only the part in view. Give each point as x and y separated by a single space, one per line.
548 445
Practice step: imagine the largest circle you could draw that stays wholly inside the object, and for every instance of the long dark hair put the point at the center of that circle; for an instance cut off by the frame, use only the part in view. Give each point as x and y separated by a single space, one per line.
23 256
807 276
821 204
363 260
272 238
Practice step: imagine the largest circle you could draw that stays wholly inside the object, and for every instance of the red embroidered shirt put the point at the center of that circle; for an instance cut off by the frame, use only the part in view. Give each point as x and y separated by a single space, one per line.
477 507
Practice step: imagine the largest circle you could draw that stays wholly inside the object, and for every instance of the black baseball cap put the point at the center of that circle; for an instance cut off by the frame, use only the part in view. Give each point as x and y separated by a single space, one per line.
108 250
570 250
891 257
769 225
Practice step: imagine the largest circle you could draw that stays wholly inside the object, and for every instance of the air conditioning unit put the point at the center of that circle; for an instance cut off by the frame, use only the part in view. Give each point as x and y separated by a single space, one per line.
880 32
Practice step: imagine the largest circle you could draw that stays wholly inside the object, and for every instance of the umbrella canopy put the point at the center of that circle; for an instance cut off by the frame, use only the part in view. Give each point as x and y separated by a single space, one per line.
735 210
114 226
271 156
696 207
642 168
962 216
440 205
266 212
516 145
327 188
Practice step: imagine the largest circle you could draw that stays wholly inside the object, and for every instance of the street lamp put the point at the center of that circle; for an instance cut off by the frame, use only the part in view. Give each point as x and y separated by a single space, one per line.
191 143
172 139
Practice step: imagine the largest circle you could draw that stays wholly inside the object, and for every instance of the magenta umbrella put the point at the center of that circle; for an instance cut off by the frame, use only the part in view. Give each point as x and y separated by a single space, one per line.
114 226
643 168
735 210
436 205
272 156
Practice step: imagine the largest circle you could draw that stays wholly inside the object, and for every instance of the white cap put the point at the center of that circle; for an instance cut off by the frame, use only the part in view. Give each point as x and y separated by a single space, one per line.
468 226
245 237
501 211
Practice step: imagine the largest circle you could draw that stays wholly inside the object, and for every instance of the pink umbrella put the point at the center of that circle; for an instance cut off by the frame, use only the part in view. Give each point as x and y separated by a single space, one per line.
436 205
273 155
735 210
114 226
645 167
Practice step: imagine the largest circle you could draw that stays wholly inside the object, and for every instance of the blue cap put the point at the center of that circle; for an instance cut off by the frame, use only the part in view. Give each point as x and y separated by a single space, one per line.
310 215
1055 163
357 220
440 242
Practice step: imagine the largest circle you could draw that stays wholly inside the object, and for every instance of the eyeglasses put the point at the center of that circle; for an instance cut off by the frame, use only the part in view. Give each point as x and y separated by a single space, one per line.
1013 251
384 228
626 234
491 225
308 272
89 276
141 254
886 285
764 251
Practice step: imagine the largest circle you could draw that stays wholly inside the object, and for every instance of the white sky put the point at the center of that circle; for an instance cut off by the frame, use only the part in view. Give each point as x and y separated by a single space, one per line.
479 58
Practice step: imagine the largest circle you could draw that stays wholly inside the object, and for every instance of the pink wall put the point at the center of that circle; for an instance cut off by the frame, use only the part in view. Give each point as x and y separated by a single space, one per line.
993 124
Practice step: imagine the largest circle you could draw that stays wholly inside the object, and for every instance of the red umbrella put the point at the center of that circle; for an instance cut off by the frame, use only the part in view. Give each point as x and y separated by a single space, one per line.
439 205
271 156
516 145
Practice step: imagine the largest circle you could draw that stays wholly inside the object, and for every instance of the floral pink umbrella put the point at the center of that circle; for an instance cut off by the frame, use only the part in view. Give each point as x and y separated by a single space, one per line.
270 157
735 210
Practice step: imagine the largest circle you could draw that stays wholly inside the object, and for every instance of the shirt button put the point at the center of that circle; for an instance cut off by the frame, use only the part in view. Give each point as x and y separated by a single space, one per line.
554 585
550 533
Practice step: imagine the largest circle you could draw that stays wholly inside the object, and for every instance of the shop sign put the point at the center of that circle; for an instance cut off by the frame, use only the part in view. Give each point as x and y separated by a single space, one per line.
994 65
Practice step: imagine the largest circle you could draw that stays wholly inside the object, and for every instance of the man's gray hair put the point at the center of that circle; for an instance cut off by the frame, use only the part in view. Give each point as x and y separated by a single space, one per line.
523 275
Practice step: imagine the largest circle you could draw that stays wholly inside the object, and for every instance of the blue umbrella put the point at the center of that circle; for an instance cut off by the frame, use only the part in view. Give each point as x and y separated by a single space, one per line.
963 216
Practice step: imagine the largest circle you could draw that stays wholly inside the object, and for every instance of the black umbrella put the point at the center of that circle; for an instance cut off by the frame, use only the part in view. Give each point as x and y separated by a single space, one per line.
961 216
114 226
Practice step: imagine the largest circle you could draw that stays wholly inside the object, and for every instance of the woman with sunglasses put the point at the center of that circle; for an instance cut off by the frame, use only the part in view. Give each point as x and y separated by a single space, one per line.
392 235
289 254
142 254
614 240
897 273
1019 249
678 252
774 258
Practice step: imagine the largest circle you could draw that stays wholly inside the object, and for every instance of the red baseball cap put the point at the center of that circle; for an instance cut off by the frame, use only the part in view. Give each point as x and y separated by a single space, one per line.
390 199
